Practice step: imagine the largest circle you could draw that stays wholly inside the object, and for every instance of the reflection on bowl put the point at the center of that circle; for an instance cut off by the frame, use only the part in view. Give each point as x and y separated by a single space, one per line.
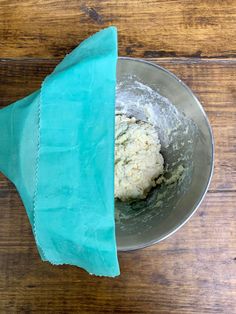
151 93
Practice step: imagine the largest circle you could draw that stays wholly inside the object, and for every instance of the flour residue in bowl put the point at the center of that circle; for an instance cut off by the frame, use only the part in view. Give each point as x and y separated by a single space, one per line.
176 135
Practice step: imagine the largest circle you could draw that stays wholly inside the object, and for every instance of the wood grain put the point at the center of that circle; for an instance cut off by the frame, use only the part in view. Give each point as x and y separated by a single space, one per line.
21 77
49 29
191 272
194 271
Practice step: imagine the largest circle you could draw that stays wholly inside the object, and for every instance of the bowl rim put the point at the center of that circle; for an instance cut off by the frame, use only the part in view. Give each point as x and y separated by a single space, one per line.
200 199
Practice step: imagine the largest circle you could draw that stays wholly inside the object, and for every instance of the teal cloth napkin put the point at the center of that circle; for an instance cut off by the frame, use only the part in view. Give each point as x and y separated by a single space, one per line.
57 147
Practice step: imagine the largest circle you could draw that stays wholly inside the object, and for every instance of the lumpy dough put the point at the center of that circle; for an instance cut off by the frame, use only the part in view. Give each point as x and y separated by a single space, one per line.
138 161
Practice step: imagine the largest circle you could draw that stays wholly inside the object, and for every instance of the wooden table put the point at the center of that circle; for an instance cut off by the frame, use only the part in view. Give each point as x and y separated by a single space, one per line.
194 271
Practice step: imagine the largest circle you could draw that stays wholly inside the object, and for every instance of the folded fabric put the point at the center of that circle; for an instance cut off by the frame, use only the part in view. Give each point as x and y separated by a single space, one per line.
57 147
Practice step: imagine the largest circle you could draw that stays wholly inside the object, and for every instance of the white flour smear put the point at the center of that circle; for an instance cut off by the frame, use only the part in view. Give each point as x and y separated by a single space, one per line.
177 135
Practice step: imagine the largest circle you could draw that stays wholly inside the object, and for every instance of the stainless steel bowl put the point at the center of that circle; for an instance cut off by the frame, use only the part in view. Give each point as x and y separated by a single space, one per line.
151 221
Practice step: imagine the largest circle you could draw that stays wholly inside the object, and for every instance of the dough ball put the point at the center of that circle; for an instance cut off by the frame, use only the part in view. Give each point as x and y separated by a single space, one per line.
138 161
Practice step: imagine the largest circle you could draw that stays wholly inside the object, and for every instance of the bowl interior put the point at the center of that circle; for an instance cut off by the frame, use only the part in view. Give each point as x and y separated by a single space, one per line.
151 93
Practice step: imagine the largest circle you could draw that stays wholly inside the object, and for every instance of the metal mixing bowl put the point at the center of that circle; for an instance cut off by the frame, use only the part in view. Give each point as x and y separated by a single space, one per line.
147 222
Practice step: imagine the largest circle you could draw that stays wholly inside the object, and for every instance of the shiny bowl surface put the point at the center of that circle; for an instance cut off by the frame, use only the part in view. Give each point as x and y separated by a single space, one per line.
147 227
